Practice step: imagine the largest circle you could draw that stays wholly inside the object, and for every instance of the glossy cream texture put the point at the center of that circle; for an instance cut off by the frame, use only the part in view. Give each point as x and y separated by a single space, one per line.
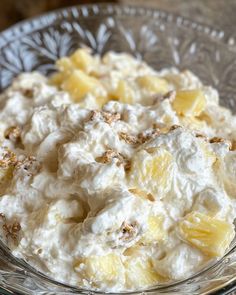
72 203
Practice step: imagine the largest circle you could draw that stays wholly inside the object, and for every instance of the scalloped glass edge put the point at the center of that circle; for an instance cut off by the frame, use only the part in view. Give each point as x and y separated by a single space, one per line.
17 275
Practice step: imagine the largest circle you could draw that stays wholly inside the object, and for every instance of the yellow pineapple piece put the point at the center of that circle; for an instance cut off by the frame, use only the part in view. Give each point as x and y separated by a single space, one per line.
189 102
78 84
96 269
210 235
155 231
124 93
151 172
57 79
101 100
82 60
153 83
64 65
140 272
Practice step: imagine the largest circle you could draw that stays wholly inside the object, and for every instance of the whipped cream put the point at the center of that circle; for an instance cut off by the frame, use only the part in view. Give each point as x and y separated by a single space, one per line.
79 189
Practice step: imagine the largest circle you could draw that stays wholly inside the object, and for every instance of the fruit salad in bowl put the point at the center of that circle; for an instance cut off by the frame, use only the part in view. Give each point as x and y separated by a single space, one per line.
116 176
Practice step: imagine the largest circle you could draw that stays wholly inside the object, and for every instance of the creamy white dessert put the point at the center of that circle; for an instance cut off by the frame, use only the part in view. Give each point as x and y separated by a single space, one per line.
114 176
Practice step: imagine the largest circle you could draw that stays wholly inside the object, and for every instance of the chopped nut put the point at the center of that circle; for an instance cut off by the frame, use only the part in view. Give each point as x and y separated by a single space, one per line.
150 197
221 140
11 230
93 115
157 98
12 133
29 164
8 158
130 139
142 194
200 135
111 117
106 116
143 137
16 227
129 230
173 127
107 156
233 145
140 138
150 150
127 165
216 140
170 95
111 154
28 92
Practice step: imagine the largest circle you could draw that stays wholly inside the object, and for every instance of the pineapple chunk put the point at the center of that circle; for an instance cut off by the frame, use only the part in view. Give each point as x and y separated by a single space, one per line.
57 79
140 272
101 100
155 231
153 84
97 269
65 65
124 93
82 60
151 172
78 84
189 102
210 235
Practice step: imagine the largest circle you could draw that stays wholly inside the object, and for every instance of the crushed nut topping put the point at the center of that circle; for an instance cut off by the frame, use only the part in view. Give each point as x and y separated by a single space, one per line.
29 164
129 230
200 135
11 230
217 140
111 154
140 138
221 140
111 117
145 136
13 133
93 115
142 194
130 139
106 116
175 126
28 92
8 158
170 95
233 145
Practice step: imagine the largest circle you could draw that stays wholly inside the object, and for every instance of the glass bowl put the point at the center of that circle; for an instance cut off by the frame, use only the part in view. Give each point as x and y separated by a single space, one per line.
162 40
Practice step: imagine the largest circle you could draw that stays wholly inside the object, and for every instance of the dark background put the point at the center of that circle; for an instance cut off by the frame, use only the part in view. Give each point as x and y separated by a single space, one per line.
217 13
12 11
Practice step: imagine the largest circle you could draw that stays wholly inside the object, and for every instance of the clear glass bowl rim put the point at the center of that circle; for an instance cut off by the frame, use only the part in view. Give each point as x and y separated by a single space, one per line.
95 10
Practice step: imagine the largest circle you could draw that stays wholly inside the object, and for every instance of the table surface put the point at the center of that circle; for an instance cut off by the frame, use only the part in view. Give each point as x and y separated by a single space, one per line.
220 14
